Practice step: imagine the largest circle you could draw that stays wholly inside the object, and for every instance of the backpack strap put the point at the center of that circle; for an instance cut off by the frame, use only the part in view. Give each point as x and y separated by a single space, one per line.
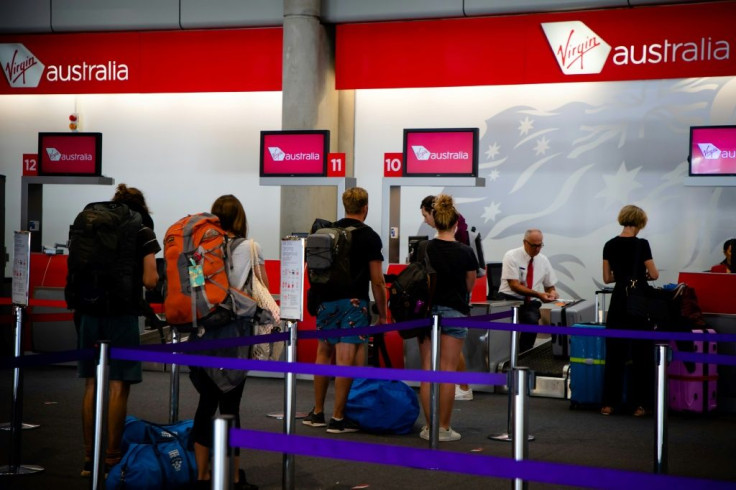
423 255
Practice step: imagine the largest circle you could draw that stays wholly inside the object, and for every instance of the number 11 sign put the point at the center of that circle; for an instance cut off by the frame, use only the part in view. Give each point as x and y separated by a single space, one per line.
336 164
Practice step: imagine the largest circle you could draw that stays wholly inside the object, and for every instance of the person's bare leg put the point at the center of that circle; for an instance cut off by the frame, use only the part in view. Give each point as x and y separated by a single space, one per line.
345 356
88 417
450 350
117 410
424 355
461 369
325 351
202 457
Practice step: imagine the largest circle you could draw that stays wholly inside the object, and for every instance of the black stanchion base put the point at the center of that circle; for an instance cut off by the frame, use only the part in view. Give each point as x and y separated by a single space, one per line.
506 437
24 469
6 426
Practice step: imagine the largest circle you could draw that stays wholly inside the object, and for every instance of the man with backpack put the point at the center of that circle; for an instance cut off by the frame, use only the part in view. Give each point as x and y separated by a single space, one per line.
111 258
342 302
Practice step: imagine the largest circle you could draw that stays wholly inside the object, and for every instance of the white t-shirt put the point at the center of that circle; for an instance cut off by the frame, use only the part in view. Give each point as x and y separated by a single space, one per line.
515 263
241 265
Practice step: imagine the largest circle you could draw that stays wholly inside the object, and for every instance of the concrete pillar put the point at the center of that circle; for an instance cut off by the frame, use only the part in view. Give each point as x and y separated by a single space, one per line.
310 101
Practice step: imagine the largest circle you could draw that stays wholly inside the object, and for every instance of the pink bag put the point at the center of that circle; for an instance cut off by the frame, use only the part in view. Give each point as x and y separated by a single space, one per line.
694 386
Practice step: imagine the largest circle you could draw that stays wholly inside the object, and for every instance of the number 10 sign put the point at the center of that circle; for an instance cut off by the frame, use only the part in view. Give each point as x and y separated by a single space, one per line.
393 164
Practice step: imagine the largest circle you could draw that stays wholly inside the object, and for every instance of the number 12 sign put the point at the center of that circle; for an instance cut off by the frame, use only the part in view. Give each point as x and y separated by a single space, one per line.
30 164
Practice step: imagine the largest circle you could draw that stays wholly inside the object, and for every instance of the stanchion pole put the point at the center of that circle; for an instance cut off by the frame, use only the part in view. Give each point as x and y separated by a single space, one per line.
513 361
288 469
16 424
521 421
101 393
222 468
174 383
660 428
434 388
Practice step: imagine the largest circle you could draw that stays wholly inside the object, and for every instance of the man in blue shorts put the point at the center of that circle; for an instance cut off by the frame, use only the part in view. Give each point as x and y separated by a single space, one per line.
346 308
115 318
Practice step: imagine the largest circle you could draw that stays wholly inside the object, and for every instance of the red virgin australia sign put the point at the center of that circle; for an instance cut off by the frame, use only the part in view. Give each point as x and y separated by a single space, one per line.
666 41
233 60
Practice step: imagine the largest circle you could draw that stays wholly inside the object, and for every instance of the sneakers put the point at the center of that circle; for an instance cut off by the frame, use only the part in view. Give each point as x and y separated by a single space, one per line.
315 419
446 435
461 394
342 426
424 434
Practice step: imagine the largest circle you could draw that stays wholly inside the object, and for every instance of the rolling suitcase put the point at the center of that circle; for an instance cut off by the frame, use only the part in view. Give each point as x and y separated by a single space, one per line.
587 363
581 311
588 360
693 386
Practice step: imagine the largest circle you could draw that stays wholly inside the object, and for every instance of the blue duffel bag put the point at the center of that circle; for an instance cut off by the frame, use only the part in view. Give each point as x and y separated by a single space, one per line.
156 458
382 406
138 431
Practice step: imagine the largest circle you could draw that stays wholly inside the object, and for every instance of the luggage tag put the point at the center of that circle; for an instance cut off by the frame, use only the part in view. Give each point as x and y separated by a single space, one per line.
196 274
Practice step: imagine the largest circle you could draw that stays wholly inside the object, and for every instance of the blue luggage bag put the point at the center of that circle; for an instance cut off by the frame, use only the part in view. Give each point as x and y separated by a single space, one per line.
587 364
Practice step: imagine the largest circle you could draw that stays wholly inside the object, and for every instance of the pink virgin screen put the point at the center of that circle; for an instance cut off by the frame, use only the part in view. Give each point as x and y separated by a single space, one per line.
440 153
294 153
69 153
713 150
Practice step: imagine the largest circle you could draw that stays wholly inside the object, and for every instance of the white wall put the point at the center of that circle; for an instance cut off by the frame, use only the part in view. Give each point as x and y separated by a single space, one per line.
590 149
181 150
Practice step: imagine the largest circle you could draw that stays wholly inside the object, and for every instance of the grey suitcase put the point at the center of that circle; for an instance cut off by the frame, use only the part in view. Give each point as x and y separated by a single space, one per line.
582 311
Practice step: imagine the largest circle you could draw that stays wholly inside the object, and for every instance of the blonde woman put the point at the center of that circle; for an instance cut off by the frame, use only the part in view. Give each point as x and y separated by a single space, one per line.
626 257
455 267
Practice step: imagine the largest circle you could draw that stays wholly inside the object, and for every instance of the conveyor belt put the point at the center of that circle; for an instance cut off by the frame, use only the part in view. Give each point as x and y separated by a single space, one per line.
551 373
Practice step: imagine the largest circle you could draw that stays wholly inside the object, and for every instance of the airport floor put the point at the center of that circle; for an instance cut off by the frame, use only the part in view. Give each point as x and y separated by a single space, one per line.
699 446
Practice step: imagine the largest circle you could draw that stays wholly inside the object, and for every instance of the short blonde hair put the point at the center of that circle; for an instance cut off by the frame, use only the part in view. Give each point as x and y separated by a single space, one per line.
631 215
354 199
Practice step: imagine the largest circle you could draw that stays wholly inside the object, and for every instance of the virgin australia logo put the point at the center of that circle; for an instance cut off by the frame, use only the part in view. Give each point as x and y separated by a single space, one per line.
276 153
709 151
54 154
421 152
21 67
576 47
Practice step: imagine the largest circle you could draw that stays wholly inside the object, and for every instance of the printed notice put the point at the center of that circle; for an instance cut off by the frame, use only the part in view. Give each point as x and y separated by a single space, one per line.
21 267
292 278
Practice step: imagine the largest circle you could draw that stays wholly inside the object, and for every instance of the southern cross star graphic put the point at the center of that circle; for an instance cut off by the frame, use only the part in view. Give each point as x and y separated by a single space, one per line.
618 187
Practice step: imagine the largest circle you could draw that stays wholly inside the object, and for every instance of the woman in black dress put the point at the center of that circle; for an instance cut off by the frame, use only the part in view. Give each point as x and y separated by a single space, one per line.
628 384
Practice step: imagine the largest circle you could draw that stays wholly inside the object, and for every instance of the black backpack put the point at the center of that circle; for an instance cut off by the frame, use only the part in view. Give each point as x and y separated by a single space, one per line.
411 291
328 254
103 264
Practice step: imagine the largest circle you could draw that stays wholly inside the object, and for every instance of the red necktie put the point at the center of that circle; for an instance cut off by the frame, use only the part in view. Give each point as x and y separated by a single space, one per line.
530 274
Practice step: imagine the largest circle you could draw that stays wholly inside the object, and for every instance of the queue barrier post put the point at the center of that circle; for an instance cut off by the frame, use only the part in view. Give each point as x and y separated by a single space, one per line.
222 468
16 425
288 473
513 361
101 394
174 381
660 429
434 388
522 381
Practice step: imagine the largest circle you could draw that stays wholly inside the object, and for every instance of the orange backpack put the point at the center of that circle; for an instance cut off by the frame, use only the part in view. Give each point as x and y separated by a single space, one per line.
198 293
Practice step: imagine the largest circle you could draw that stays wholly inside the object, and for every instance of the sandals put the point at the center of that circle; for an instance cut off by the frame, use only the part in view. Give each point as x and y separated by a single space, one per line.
640 412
